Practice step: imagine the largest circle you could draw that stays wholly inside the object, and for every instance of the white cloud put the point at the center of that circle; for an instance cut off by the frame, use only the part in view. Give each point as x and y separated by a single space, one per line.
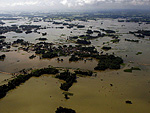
67 3
140 2
23 3
64 2
91 2
58 4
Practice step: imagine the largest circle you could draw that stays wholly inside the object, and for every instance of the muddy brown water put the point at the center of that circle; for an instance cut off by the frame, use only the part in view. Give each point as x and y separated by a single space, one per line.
91 94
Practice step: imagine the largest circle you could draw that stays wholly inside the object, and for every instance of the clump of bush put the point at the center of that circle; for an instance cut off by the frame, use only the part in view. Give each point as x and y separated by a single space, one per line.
131 69
108 62
106 48
86 73
69 79
32 56
2 57
64 110
83 42
138 53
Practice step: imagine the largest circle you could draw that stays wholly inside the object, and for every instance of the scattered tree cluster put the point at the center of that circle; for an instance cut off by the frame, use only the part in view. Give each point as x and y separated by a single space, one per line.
108 31
19 29
74 58
131 69
2 37
106 48
32 56
83 42
132 40
115 40
41 39
2 57
140 33
108 62
49 55
69 79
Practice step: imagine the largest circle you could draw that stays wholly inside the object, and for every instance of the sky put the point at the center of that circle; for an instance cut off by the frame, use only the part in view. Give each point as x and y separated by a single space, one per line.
70 5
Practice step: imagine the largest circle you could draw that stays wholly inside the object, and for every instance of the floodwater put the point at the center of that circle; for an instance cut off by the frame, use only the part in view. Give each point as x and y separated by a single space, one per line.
91 94
4 77
16 61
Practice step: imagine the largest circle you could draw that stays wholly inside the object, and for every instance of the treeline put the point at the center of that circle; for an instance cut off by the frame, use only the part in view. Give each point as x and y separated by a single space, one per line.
140 33
74 58
131 40
19 29
49 55
12 84
106 48
105 61
83 42
69 79
86 73
78 53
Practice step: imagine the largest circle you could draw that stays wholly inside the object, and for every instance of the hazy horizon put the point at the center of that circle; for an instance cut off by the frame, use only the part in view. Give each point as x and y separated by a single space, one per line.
72 5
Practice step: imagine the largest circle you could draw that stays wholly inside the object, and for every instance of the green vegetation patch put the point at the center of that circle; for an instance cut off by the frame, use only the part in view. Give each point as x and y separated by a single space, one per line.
14 36
123 64
128 70
67 94
63 35
138 53
83 37
135 68
115 40
131 69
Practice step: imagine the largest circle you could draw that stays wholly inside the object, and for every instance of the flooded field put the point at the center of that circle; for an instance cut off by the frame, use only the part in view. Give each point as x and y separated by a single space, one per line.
89 94
105 93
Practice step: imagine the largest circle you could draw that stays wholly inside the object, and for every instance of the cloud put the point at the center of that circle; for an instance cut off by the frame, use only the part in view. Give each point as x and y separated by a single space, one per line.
72 4
13 3
91 2
23 3
140 2
67 3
